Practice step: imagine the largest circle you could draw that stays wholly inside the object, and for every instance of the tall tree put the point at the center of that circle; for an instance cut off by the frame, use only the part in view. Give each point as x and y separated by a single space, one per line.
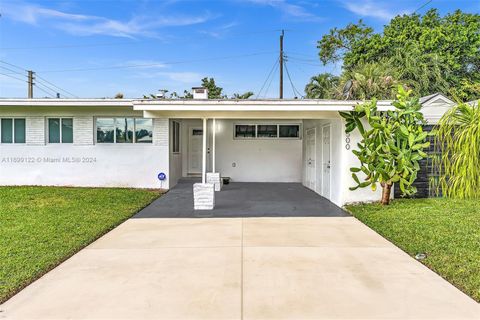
367 81
451 43
321 86
214 92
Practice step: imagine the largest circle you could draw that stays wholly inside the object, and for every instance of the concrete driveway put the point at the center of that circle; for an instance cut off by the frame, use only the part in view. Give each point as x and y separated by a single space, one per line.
244 199
241 268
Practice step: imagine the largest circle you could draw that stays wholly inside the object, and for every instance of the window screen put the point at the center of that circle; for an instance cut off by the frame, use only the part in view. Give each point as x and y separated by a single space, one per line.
267 131
7 130
19 133
54 130
244 131
67 130
289 131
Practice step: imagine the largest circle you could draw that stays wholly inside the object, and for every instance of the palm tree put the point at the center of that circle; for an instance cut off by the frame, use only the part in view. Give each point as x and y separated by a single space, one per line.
368 80
321 86
242 96
457 150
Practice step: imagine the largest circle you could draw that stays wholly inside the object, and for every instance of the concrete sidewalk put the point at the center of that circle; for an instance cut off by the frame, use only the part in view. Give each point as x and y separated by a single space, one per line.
241 268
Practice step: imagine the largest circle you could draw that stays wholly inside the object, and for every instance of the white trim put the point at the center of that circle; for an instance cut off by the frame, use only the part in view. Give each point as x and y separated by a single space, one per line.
13 131
267 123
330 153
189 149
179 138
47 130
214 133
134 137
314 129
204 151
66 102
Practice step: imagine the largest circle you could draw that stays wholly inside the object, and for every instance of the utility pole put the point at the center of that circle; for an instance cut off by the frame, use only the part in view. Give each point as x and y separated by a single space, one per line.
281 64
31 77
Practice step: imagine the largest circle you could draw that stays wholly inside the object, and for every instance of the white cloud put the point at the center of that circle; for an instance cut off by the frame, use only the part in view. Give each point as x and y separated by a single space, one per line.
288 9
184 77
221 31
369 8
145 64
86 25
175 76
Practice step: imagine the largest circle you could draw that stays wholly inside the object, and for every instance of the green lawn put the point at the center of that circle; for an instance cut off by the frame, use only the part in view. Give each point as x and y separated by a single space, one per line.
447 230
42 226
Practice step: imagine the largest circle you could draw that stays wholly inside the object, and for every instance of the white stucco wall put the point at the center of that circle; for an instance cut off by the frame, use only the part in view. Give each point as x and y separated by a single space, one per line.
350 160
257 160
92 166
82 163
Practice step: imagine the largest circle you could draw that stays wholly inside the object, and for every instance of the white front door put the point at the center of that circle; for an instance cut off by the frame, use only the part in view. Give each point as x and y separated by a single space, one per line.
326 161
310 157
195 137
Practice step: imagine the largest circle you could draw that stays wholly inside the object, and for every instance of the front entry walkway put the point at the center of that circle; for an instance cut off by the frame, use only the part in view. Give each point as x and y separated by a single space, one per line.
245 199
241 268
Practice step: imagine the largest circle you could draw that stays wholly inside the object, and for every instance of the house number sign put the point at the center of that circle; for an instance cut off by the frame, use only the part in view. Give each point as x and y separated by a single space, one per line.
347 141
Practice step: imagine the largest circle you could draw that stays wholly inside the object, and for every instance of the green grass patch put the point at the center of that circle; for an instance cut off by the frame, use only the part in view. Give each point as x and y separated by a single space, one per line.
42 226
447 230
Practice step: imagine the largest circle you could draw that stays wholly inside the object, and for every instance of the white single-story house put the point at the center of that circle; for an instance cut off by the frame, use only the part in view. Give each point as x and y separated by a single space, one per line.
128 143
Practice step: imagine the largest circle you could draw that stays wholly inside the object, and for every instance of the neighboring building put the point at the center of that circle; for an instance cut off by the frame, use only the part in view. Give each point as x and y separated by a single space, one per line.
433 108
127 143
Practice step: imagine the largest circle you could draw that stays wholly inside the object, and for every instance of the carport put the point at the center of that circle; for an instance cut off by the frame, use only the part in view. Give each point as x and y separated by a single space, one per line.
301 142
244 199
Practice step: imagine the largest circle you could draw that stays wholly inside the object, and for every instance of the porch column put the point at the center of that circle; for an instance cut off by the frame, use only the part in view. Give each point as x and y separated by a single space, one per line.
204 151
213 145
214 177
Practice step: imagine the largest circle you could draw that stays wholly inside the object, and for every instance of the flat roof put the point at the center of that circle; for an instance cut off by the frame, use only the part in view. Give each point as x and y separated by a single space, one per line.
66 102
199 104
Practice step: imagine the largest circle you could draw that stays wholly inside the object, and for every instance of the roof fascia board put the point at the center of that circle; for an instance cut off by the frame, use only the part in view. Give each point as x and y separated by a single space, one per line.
66 102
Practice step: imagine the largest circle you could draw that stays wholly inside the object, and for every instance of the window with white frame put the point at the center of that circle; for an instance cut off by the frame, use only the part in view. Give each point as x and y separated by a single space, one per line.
60 130
175 137
12 130
267 131
124 130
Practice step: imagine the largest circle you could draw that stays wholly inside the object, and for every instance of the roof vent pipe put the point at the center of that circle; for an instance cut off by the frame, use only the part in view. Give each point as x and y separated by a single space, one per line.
200 93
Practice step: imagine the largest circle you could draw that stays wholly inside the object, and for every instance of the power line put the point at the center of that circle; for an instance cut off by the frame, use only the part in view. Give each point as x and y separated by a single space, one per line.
41 79
13 71
159 64
8 75
268 76
422 6
271 80
36 85
12 65
295 91
41 85
306 63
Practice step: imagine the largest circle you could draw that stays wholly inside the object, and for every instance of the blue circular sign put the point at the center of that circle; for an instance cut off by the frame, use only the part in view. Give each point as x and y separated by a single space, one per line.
162 176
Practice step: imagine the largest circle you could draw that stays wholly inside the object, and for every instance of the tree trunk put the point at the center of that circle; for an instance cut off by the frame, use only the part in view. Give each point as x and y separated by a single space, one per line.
386 190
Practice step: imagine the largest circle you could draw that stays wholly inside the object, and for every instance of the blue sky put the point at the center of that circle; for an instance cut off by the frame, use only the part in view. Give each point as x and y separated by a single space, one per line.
85 46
